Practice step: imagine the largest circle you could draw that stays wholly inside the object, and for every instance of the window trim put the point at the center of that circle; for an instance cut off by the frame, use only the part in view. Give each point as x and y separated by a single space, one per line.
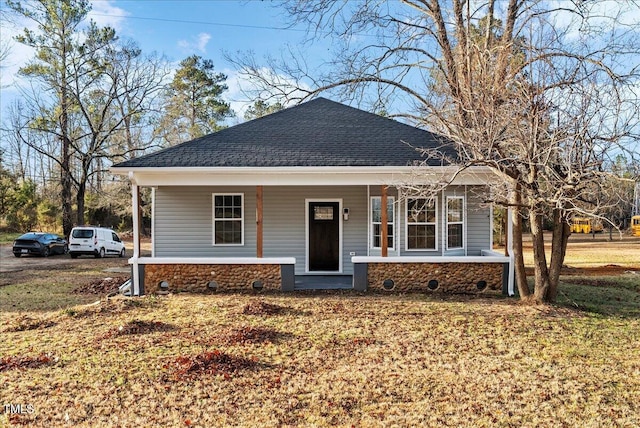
214 219
462 222
407 223
392 201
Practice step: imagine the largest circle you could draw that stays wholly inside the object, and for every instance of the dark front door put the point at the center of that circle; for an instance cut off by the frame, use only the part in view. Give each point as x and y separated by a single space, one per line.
324 236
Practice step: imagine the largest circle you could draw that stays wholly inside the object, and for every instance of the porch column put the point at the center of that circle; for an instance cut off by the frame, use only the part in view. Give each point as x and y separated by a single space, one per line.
259 239
383 222
509 249
135 218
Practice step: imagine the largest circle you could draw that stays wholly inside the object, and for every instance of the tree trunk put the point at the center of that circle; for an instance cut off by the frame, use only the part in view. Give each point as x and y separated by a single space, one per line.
66 183
561 233
80 201
518 255
66 187
541 273
65 163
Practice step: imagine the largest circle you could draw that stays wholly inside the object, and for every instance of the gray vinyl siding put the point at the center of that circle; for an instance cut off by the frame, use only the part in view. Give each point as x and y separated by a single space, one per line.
184 222
285 221
478 222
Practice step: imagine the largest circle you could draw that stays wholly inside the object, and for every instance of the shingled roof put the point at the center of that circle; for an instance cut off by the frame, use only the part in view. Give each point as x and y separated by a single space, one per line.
317 133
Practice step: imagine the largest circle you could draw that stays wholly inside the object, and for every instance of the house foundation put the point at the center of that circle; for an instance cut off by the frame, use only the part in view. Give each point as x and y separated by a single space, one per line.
446 274
160 276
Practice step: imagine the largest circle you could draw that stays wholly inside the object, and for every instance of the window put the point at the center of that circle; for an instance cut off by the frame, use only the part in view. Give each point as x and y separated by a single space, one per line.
455 222
376 222
322 213
421 224
228 219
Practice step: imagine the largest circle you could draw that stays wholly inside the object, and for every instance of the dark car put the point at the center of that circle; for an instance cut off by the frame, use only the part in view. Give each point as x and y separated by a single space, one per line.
39 243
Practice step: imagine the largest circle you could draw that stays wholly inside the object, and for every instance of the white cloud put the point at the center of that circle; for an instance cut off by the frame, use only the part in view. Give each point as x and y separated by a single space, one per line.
19 54
104 13
198 43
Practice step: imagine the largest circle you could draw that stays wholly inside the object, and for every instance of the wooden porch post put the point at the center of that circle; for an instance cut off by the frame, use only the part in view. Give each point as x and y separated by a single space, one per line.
259 239
383 222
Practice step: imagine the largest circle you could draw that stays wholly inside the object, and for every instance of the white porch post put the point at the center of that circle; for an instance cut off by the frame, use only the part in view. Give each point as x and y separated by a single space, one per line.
511 279
135 215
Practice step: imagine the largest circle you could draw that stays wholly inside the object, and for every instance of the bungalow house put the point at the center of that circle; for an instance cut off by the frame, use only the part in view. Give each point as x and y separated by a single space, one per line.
296 200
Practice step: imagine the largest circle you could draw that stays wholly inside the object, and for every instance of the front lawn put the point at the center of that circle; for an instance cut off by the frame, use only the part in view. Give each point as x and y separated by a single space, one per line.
327 359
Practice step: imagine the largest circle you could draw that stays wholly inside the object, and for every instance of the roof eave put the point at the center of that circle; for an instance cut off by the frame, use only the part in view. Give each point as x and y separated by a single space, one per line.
303 176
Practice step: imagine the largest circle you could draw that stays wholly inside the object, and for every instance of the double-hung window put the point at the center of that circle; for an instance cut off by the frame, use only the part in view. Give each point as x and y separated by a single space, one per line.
228 219
421 224
455 222
376 222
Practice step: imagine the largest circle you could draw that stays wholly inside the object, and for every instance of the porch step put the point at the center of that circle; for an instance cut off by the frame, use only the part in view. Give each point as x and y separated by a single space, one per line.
323 282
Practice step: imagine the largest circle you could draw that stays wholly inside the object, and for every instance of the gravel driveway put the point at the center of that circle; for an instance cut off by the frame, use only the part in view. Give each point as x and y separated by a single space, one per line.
10 263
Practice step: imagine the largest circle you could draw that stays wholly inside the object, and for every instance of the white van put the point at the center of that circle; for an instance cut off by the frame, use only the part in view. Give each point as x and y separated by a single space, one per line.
95 241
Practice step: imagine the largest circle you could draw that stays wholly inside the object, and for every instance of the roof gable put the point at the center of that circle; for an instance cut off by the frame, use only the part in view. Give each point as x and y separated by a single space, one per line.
316 133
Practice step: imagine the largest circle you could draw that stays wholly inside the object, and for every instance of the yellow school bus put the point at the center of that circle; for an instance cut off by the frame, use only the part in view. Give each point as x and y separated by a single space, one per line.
635 225
585 225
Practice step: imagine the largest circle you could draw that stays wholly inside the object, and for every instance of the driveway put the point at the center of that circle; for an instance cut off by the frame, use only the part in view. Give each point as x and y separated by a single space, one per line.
10 263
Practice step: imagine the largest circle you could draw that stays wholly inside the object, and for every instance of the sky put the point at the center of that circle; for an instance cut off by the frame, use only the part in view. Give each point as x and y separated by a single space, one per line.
178 29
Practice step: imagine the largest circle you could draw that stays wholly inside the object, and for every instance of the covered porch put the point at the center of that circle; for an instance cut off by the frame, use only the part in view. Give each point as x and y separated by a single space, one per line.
278 251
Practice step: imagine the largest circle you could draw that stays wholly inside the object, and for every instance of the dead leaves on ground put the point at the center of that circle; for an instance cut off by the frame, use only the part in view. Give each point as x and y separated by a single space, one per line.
26 362
337 360
188 367
113 305
102 286
137 326
263 308
25 322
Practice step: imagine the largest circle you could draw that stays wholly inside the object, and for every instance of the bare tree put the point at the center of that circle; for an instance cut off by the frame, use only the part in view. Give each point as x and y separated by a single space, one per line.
91 93
56 42
542 94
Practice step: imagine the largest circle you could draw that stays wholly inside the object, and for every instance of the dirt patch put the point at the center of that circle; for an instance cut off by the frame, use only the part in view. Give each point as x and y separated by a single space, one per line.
606 270
593 282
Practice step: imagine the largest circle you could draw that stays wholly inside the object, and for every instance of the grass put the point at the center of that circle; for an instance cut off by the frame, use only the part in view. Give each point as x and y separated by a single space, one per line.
320 359
617 296
587 251
8 237
329 359
45 290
